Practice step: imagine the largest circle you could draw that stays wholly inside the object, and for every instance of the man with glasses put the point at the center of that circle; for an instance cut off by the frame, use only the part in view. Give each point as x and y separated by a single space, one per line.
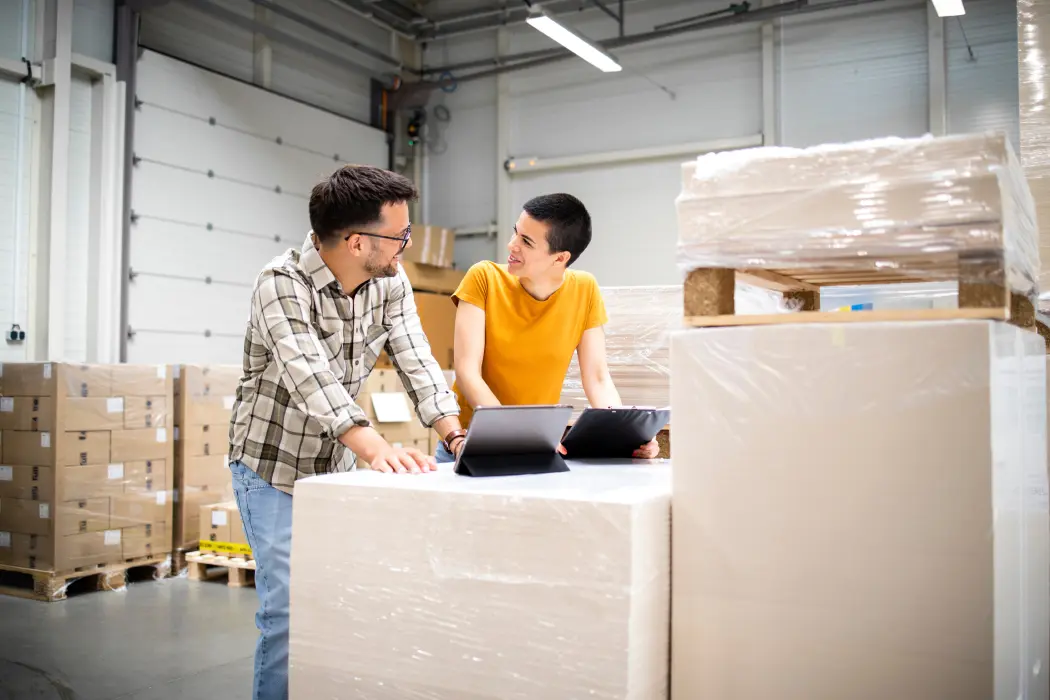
320 317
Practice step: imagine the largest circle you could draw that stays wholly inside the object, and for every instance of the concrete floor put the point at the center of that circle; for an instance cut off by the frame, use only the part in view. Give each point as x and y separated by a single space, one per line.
157 640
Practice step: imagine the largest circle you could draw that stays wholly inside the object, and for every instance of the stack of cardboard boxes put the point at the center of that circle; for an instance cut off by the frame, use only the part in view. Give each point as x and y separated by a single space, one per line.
204 397
222 532
87 474
1033 52
390 409
428 265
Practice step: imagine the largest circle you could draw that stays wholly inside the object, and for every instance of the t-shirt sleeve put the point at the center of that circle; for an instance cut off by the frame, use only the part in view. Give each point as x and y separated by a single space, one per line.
596 315
474 287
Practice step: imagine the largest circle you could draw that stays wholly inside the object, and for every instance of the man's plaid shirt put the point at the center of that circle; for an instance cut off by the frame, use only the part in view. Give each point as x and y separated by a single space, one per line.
308 349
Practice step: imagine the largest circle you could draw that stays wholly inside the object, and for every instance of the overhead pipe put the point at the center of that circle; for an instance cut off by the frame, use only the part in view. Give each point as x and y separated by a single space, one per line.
363 10
534 59
327 31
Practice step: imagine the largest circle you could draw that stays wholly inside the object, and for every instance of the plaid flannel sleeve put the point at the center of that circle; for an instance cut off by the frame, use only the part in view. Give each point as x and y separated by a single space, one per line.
410 352
281 310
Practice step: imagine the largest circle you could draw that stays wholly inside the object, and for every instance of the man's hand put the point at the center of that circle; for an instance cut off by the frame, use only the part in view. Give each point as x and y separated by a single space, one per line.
648 451
402 460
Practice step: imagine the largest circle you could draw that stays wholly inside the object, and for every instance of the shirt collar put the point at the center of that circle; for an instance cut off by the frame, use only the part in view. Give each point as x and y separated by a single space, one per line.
311 262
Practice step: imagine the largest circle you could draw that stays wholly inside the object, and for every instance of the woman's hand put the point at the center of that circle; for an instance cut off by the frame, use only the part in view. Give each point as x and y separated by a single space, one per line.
648 451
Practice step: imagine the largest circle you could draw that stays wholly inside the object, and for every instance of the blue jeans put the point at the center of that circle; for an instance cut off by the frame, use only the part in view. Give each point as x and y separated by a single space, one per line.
267 516
442 455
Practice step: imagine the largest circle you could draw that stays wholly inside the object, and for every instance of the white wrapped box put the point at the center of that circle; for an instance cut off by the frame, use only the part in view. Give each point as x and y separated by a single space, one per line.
860 512
446 587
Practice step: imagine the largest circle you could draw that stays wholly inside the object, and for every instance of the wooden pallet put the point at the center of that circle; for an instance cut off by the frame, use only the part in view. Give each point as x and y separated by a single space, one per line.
51 586
983 292
202 566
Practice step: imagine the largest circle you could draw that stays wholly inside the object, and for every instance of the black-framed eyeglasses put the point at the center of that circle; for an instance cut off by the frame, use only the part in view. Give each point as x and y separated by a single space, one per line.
405 235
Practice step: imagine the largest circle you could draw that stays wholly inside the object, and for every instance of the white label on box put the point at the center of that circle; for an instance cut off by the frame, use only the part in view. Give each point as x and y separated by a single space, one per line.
7 474
227 402
7 404
226 461
162 372
218 518
45 511
45 439
111 538
162 434
116 471
5 539
391 407
162 498
47 370
176 433
115 405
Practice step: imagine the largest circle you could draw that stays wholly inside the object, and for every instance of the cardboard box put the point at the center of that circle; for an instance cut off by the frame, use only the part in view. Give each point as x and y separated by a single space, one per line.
437 315
26 516
84 414
849 511
89 549
142 412
222 530
145 540
54 379
27 413
85 515
28 483
427 278
140 380
146 476
208 380
26 551
91 481
131 509
203 440
560 589
27 448
390 409
212 470
146 443
204 410
431 245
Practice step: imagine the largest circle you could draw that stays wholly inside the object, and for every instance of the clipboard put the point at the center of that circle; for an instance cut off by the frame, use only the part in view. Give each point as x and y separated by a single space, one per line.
613 433
514 440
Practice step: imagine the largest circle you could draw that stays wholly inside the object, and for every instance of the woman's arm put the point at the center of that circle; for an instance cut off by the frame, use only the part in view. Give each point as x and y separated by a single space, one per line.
468 352
594 369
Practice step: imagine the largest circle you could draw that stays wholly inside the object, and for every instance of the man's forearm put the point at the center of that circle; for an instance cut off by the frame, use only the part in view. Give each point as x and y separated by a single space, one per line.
364 442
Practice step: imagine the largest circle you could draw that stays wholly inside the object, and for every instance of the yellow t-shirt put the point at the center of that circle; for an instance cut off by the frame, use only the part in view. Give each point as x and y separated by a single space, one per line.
528 343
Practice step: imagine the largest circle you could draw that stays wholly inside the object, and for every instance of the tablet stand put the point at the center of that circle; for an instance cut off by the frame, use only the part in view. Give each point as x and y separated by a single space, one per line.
511 464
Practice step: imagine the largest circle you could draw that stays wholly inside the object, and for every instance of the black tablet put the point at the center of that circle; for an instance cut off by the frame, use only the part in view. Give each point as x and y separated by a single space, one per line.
610 433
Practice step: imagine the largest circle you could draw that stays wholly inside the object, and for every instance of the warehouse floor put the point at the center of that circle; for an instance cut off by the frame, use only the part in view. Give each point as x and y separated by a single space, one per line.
158 640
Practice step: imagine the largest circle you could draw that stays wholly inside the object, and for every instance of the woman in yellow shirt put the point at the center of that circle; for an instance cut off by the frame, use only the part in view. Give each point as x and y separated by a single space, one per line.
522 321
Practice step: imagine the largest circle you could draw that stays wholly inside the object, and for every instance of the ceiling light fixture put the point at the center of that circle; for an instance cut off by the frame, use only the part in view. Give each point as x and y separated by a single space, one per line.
949 8
575 43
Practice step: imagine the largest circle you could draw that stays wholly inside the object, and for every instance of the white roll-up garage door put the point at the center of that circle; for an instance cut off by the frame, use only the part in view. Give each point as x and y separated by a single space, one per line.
220 186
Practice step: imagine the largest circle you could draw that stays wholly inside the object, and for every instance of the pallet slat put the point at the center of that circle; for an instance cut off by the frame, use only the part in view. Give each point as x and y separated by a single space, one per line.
983 292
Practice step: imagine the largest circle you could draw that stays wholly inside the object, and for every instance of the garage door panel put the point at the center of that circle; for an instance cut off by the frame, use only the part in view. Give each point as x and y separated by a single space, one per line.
164 192
201 307
148 347
236 154
168 247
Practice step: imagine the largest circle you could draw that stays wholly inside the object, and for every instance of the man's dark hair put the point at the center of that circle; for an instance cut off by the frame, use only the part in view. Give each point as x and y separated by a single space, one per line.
569 224
353 197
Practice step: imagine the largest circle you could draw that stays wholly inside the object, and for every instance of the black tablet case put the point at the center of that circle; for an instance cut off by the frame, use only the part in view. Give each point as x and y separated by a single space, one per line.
613 433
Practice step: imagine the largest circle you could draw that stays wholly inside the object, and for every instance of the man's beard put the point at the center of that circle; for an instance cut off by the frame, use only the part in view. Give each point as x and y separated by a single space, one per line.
375 267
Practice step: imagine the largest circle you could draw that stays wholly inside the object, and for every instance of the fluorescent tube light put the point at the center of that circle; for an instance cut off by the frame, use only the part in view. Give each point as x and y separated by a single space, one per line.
573 42
949 8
